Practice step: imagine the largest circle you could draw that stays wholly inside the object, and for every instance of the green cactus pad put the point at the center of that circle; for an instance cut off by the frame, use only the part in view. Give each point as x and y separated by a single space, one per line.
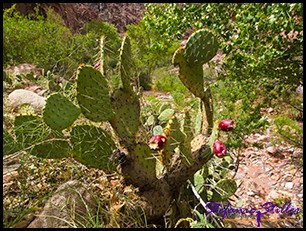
198 120
51 149
59 112
191 75
224 189
185 146
165 115
92 146
9 143
187 127
93 95
30 129
126 63
201 47
145 163
158 130
150 121
174 138
126 121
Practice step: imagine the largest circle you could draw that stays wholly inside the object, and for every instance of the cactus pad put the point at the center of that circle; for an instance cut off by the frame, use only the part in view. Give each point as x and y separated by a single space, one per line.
174 138
126 63
145 163
185 146
165 115
92 146
92 94
201 47
191 75
51 149
59 112
126 117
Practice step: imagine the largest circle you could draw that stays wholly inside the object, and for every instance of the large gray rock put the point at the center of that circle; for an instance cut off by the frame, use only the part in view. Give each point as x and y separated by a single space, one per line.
71 206
21 96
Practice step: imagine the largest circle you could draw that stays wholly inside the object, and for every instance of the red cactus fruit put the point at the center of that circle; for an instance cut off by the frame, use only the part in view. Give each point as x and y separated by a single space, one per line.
183 43
219 148
97 65
226 125
157 142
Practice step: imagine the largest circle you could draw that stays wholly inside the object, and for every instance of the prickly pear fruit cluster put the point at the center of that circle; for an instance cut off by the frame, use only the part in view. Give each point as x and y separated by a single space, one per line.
218 147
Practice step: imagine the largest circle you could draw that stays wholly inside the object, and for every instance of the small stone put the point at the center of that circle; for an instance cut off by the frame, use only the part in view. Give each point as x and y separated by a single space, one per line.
273 194
270 109
289 185
250 193
275 177
289 178
271 150
300 195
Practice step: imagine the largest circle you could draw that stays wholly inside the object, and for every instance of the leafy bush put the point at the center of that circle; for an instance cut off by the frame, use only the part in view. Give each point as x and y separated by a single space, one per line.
93 30
150 50
48 44
289 130
263 44
165 81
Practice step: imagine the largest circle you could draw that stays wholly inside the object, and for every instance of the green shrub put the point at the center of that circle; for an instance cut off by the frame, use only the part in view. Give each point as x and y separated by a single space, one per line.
289 130
43 42
165 81
48 44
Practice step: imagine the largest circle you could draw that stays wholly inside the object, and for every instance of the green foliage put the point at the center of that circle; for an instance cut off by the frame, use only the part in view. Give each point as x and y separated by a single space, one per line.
44 43
94 29
289 130
48 44
262 43
150 50
164 81
9 143
29 130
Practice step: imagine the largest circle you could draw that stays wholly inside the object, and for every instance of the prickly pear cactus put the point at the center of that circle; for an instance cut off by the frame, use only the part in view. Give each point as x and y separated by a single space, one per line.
114 100
201 47
93 94
126 64
124 100
191 74
92 146
59 112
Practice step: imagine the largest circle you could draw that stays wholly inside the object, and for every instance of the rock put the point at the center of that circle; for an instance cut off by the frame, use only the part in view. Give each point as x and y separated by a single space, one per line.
271 150
21 96
273 194
289 185
250 193
69 207
275 177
